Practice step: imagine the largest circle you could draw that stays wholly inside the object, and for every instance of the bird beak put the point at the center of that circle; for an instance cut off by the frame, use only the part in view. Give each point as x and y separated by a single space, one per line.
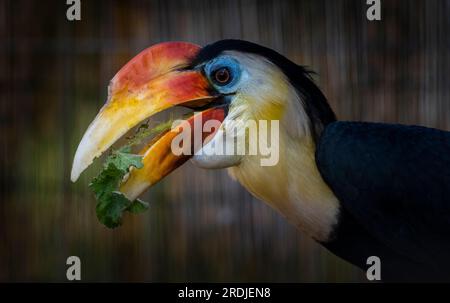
154 80
158 159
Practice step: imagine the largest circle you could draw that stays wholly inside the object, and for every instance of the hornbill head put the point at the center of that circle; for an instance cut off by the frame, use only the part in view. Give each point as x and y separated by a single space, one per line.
232 81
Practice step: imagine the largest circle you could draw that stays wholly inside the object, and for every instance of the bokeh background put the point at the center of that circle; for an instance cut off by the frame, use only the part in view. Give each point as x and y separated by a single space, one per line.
202 226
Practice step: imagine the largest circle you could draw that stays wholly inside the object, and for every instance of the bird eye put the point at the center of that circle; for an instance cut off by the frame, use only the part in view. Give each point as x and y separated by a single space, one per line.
222 76
224 73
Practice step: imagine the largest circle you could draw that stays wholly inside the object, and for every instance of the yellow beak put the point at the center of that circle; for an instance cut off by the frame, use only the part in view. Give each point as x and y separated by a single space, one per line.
154 80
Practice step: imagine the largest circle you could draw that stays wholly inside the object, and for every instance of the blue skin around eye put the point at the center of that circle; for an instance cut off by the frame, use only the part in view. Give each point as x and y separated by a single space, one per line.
235 73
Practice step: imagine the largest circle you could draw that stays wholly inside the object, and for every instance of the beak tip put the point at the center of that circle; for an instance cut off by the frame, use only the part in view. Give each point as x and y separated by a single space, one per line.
85 154
75 173
78 166
73 177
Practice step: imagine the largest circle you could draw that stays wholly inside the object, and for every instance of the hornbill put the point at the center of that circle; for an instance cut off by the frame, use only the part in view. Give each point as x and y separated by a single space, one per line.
360 189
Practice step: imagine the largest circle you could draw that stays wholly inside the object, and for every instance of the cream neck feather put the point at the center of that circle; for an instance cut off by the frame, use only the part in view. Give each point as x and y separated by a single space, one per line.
294 186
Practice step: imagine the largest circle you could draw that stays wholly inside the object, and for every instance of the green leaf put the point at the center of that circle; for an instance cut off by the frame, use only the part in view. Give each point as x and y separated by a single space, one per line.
111 204
124 160
107 181
110 209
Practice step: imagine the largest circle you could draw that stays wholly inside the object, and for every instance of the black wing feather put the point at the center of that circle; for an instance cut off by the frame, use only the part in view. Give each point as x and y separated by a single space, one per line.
395 182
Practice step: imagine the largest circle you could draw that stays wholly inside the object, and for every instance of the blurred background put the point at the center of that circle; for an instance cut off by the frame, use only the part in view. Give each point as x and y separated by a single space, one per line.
201 226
